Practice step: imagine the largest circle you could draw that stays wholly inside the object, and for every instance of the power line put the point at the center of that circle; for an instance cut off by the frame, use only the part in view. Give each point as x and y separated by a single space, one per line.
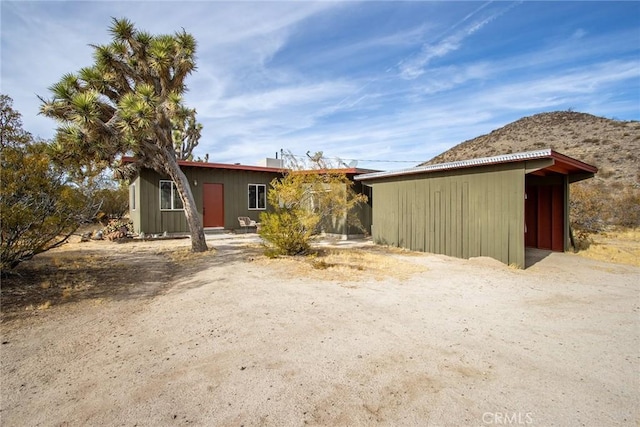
351 159
386 161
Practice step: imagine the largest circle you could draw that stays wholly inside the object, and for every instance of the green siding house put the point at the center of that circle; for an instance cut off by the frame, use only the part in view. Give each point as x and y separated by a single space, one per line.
222 192
493 206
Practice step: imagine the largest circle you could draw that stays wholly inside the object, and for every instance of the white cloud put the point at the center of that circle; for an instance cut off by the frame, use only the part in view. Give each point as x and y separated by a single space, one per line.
414 67
259 88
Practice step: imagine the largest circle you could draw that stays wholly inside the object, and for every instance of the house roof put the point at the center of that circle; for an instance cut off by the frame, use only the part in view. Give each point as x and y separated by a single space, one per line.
561 164
238 166
207 165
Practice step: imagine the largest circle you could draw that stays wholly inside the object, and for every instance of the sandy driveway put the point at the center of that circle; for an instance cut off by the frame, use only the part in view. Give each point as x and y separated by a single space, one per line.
247 342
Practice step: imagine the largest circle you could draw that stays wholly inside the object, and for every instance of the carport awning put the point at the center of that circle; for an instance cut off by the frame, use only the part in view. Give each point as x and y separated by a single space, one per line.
543 162
565 165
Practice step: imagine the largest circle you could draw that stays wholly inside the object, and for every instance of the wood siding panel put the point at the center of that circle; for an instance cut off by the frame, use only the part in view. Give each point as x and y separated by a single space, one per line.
235 182
546 213
557 218
476 212
419 221
385 209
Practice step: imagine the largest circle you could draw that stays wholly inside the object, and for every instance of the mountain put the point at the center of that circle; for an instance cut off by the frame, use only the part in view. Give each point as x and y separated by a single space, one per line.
613 146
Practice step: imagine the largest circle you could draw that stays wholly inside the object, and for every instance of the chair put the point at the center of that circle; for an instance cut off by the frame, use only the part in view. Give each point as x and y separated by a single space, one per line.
246 222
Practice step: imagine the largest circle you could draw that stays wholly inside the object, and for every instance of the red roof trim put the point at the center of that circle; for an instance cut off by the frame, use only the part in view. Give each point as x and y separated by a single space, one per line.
218 166
347 171
573 163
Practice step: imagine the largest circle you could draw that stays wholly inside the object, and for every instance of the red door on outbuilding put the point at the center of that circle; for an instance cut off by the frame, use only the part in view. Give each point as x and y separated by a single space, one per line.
544 217
213 205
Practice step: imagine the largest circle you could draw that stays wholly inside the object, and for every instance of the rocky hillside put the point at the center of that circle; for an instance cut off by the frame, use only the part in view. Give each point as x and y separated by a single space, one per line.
611 145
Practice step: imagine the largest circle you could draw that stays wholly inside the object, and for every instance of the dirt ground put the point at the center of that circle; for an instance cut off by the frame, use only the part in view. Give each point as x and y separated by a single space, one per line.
147 334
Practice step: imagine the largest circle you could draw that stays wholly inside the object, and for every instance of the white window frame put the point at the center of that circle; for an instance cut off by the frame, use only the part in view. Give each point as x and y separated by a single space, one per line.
132 203
257 195
175 197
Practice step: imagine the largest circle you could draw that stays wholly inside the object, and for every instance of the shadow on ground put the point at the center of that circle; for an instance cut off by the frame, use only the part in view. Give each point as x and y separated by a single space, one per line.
534 256
107 271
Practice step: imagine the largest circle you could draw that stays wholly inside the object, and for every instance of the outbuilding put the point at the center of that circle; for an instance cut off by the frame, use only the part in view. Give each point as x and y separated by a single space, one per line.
492 206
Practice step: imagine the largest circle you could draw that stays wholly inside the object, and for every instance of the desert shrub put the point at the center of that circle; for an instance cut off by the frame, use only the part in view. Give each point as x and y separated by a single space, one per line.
302 201
588 209
114 202
593 208
288 231
626 208
39 208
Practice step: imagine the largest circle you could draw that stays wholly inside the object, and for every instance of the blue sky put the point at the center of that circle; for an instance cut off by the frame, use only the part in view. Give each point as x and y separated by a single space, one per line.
390 84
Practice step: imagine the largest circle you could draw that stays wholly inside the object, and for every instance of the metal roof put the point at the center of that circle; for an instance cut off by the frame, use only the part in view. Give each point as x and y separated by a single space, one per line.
569 164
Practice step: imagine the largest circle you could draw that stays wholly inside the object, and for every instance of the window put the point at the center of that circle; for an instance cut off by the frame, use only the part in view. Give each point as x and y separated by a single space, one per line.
169 197
132 203
257 196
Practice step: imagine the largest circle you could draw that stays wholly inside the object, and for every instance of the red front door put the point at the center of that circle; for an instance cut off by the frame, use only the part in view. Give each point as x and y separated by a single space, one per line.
213 205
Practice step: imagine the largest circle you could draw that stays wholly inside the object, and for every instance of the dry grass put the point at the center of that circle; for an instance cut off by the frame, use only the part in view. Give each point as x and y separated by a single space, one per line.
185 256
93 270
100 271
622 247
351 265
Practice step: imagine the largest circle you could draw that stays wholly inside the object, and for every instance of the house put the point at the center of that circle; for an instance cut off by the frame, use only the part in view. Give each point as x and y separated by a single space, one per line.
222 192
493 206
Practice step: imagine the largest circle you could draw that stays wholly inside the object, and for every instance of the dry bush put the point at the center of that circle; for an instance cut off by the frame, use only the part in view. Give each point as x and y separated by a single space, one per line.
114 202
626 208
617 246
594 209
303 201
588 209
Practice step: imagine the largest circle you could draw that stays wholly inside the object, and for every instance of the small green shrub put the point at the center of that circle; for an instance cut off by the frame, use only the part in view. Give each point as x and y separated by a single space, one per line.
302 200
288 232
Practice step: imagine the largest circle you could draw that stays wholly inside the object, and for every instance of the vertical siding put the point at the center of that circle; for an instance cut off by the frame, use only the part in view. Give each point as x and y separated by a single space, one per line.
385 225
567 230
236 200
150 219
476 212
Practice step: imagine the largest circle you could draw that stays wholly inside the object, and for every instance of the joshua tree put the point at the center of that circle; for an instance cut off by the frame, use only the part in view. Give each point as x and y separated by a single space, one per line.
129 102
